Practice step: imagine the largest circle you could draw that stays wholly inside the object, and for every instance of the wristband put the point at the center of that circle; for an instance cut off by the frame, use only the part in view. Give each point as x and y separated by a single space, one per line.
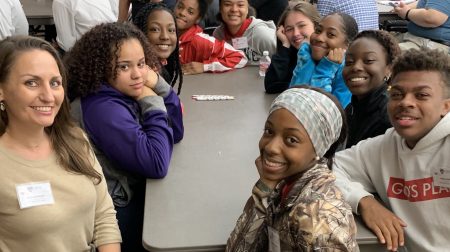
407 13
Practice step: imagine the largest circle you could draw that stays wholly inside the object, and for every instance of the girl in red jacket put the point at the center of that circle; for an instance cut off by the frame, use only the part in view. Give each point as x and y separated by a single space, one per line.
200 52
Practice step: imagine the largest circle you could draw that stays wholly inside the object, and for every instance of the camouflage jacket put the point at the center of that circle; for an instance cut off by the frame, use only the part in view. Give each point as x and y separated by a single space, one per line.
313 216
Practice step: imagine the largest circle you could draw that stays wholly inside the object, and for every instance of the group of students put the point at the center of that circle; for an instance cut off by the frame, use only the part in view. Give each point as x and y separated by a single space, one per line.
117 82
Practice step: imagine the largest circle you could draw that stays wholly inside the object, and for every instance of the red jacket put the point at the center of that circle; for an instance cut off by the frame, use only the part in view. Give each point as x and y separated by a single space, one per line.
216 55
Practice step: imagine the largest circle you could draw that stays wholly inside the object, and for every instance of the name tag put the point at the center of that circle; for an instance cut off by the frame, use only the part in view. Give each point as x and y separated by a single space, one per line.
240 43
441 177
34 194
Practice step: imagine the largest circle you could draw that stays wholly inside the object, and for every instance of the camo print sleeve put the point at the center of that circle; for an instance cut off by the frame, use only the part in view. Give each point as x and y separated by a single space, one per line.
321 220
250 231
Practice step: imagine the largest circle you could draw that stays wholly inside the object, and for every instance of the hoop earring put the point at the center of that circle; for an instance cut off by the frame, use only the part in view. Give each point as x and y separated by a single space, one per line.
2 106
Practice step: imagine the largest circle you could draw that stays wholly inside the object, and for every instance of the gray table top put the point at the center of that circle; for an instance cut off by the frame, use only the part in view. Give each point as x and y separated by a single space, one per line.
212 170
38 12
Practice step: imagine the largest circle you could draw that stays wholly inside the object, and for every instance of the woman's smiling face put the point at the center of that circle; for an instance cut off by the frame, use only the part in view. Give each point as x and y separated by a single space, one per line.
161 32
328 35
365 66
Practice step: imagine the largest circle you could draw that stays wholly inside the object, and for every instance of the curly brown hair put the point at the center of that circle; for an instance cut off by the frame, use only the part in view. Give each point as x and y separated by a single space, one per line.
424 60
386 40
92 60
68 141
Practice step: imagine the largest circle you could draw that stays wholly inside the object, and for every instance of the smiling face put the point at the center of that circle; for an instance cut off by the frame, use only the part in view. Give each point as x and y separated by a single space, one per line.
329 34
285 146
131 69
365 66
33 91
161 33
298 28
234 13
187 14
417 101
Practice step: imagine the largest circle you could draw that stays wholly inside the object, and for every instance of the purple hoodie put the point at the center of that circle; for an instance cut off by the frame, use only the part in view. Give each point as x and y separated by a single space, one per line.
137 136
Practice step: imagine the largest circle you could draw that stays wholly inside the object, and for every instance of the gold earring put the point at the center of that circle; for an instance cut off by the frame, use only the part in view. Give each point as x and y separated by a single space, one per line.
2 106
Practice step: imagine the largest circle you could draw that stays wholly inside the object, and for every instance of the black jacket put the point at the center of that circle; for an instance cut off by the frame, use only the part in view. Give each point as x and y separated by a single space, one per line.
367 117
279 74
269 9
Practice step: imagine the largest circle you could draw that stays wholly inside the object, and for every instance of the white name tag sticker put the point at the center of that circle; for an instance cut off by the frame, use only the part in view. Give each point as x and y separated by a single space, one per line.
240 43
34 194
441 177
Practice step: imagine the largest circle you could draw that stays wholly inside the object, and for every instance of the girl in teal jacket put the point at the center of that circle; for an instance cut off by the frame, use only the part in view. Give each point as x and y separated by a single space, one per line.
320 63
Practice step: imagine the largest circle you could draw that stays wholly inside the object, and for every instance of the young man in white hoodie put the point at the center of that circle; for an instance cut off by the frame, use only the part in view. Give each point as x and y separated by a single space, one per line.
409 166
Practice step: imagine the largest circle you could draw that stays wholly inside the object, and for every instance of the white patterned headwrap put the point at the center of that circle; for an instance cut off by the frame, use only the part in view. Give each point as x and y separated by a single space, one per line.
318 114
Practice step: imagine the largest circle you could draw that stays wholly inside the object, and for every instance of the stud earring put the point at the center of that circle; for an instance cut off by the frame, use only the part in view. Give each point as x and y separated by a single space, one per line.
317 158
2 106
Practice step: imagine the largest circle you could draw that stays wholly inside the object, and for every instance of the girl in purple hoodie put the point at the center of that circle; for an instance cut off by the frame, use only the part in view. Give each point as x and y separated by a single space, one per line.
130 113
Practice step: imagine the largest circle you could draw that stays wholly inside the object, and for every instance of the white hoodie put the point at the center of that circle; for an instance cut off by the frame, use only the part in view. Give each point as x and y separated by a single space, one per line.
403 178
261 36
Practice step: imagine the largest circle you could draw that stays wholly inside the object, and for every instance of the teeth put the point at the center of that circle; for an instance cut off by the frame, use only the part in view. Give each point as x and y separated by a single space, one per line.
44 109
406 118
273 163
357 79
163 46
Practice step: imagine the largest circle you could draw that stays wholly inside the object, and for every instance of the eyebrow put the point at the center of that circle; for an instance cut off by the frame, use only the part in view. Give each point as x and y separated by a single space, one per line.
299 22
414 89
158 23
365 53
293 129
332 28
36 76
128 61
269 123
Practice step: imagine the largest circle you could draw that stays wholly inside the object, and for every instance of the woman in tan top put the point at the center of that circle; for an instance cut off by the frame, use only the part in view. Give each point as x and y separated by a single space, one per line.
54 195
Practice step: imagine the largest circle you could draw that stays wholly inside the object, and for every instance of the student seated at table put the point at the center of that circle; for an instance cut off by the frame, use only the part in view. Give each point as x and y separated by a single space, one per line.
408 166
200 52
428 26
158 22
53 193
75 17
367 69
295 27
295 205
131 115
12 19
321 61
252 35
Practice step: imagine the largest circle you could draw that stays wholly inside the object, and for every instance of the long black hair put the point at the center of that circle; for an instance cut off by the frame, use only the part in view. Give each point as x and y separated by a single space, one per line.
172 71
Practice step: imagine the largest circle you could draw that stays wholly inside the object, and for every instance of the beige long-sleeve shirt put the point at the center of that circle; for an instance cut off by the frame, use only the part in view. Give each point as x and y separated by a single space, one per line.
82 212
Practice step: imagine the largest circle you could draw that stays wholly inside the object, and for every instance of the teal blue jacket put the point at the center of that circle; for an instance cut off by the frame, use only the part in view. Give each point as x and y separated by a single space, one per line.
324 74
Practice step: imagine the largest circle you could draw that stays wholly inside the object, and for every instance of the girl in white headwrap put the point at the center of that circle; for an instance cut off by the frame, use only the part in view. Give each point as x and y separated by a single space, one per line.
295 205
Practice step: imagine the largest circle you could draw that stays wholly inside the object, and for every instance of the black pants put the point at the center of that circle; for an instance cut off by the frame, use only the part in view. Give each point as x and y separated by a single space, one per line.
131 219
